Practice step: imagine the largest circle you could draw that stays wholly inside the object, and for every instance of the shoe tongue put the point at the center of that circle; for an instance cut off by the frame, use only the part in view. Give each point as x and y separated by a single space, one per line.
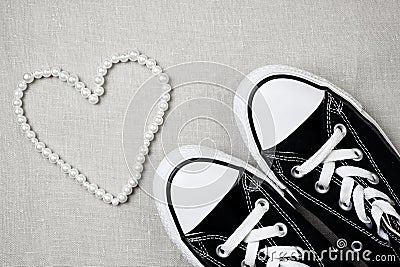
309 136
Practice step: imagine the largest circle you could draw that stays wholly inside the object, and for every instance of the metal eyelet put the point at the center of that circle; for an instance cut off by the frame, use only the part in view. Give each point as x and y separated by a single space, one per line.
345 206
368 223
356 246
375 179
221 252
262 203
262 255
243 264
295 172
341 128
282 229
320 188
358 153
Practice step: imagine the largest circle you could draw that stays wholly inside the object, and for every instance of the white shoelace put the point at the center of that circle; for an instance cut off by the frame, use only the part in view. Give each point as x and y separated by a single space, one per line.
381 204
246 232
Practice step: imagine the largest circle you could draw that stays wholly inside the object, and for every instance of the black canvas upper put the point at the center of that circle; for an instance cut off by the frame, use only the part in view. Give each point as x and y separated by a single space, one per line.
379 157
232 210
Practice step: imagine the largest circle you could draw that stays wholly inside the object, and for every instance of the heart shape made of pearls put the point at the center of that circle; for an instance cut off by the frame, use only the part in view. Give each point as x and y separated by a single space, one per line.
93 97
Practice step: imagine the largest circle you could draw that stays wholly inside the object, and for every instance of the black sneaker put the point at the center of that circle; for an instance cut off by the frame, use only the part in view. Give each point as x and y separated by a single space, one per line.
321 144
221 212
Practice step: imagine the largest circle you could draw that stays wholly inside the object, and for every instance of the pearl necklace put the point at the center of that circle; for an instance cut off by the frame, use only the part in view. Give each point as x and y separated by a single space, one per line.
93 97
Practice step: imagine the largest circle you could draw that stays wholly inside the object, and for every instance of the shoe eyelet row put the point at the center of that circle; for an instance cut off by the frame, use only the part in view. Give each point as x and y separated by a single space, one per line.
262 203
296 173
375 179
282 229
345 206
358 153
341 128
221 252
320 188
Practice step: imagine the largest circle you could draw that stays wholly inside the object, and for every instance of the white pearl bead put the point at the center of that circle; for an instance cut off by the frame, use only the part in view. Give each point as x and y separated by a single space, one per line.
102 71
93 99
115 58
81 178
99 193
22 85
140 158
17 102
156 70
46 72
73 173
149 136
158 120
99 80
166 97
63 75
85 92
150 63
127 190
146 142
72 80
137 175
138 167
38 74
65 168
115 201
142 59
107 63
25 127
39 146
124 58
53 157
59 162
160 113
79 86
55 71
30 134
163 105
163 78
46 152
166 87
18 93
18 111
122 198
132 182
133 54
28 77
21 119
99 91
92 188
34 140
144 150
86 185
107 198
153 128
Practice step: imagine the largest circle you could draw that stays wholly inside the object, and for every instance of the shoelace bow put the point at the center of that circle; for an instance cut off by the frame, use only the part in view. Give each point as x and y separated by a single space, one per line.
381 204
277 255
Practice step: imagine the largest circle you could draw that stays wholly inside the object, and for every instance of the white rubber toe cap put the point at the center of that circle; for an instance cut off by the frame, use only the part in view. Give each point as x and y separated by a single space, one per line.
279 106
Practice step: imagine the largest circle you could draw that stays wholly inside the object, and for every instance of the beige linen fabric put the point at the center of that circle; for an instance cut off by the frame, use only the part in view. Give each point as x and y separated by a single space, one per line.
45 218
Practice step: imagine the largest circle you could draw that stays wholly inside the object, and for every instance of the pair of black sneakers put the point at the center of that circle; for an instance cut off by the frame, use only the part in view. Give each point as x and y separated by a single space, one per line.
327 194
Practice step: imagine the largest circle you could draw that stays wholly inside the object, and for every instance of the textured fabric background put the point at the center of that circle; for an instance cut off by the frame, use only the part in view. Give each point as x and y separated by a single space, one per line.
46 219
